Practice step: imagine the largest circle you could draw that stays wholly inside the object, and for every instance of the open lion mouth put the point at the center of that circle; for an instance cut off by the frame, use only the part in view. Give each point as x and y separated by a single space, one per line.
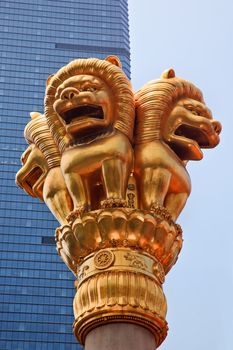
84 111
193 133
33 176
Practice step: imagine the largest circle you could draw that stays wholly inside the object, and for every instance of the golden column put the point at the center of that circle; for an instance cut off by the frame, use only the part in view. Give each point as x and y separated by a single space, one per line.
111 167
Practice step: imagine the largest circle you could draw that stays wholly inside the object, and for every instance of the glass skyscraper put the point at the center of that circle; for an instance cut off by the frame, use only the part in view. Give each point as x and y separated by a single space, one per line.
37 38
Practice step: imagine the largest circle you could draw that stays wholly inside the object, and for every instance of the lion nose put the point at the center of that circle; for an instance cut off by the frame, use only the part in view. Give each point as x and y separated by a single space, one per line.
69 93
217 126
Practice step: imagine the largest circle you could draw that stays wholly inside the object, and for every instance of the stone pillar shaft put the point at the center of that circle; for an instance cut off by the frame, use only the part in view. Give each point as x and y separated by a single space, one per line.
120 336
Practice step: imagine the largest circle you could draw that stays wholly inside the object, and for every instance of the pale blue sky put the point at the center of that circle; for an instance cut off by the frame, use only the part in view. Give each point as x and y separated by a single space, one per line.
196 39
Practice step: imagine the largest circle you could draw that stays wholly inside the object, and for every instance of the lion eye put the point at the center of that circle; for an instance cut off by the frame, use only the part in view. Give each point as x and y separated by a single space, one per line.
192 110
91 88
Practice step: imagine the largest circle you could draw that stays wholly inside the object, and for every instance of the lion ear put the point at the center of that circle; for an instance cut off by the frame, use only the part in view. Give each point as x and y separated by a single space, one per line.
114 60
168 74
49 79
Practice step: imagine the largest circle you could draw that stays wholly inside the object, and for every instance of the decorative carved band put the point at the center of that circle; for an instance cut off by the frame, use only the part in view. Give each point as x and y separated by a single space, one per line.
155 324
121 259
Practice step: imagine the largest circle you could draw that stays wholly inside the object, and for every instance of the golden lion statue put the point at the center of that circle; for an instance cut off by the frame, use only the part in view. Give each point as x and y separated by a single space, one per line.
172 125
40 175
89 106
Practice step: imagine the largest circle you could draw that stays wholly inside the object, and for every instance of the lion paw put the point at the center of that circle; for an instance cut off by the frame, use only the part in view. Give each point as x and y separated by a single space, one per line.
161 211
113 203
77 212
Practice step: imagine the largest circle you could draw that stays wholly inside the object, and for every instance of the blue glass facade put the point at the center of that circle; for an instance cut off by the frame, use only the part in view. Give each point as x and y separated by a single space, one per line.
37 38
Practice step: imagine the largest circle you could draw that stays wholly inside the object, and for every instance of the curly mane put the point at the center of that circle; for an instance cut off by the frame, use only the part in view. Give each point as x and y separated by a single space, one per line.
37 132
155 100
112 75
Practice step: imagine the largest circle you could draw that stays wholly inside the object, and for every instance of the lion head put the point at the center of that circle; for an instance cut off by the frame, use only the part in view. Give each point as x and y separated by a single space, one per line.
41 155
88 97
173 110
32 174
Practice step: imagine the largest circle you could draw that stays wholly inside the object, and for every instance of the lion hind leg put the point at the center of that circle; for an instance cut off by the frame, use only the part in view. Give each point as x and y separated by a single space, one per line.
175 202
154 185
56 195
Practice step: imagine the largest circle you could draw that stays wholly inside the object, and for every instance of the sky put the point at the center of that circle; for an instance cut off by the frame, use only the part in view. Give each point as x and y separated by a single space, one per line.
195 38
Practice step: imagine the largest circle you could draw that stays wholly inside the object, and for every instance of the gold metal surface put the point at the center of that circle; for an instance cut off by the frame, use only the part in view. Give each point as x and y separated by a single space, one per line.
126 291
121 259
40 175
172 125
89 106
153 233
111 167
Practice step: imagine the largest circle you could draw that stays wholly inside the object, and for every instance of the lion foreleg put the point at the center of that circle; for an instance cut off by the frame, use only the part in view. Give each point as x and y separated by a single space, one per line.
154 185
60 205
175 202
115 173
76 189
